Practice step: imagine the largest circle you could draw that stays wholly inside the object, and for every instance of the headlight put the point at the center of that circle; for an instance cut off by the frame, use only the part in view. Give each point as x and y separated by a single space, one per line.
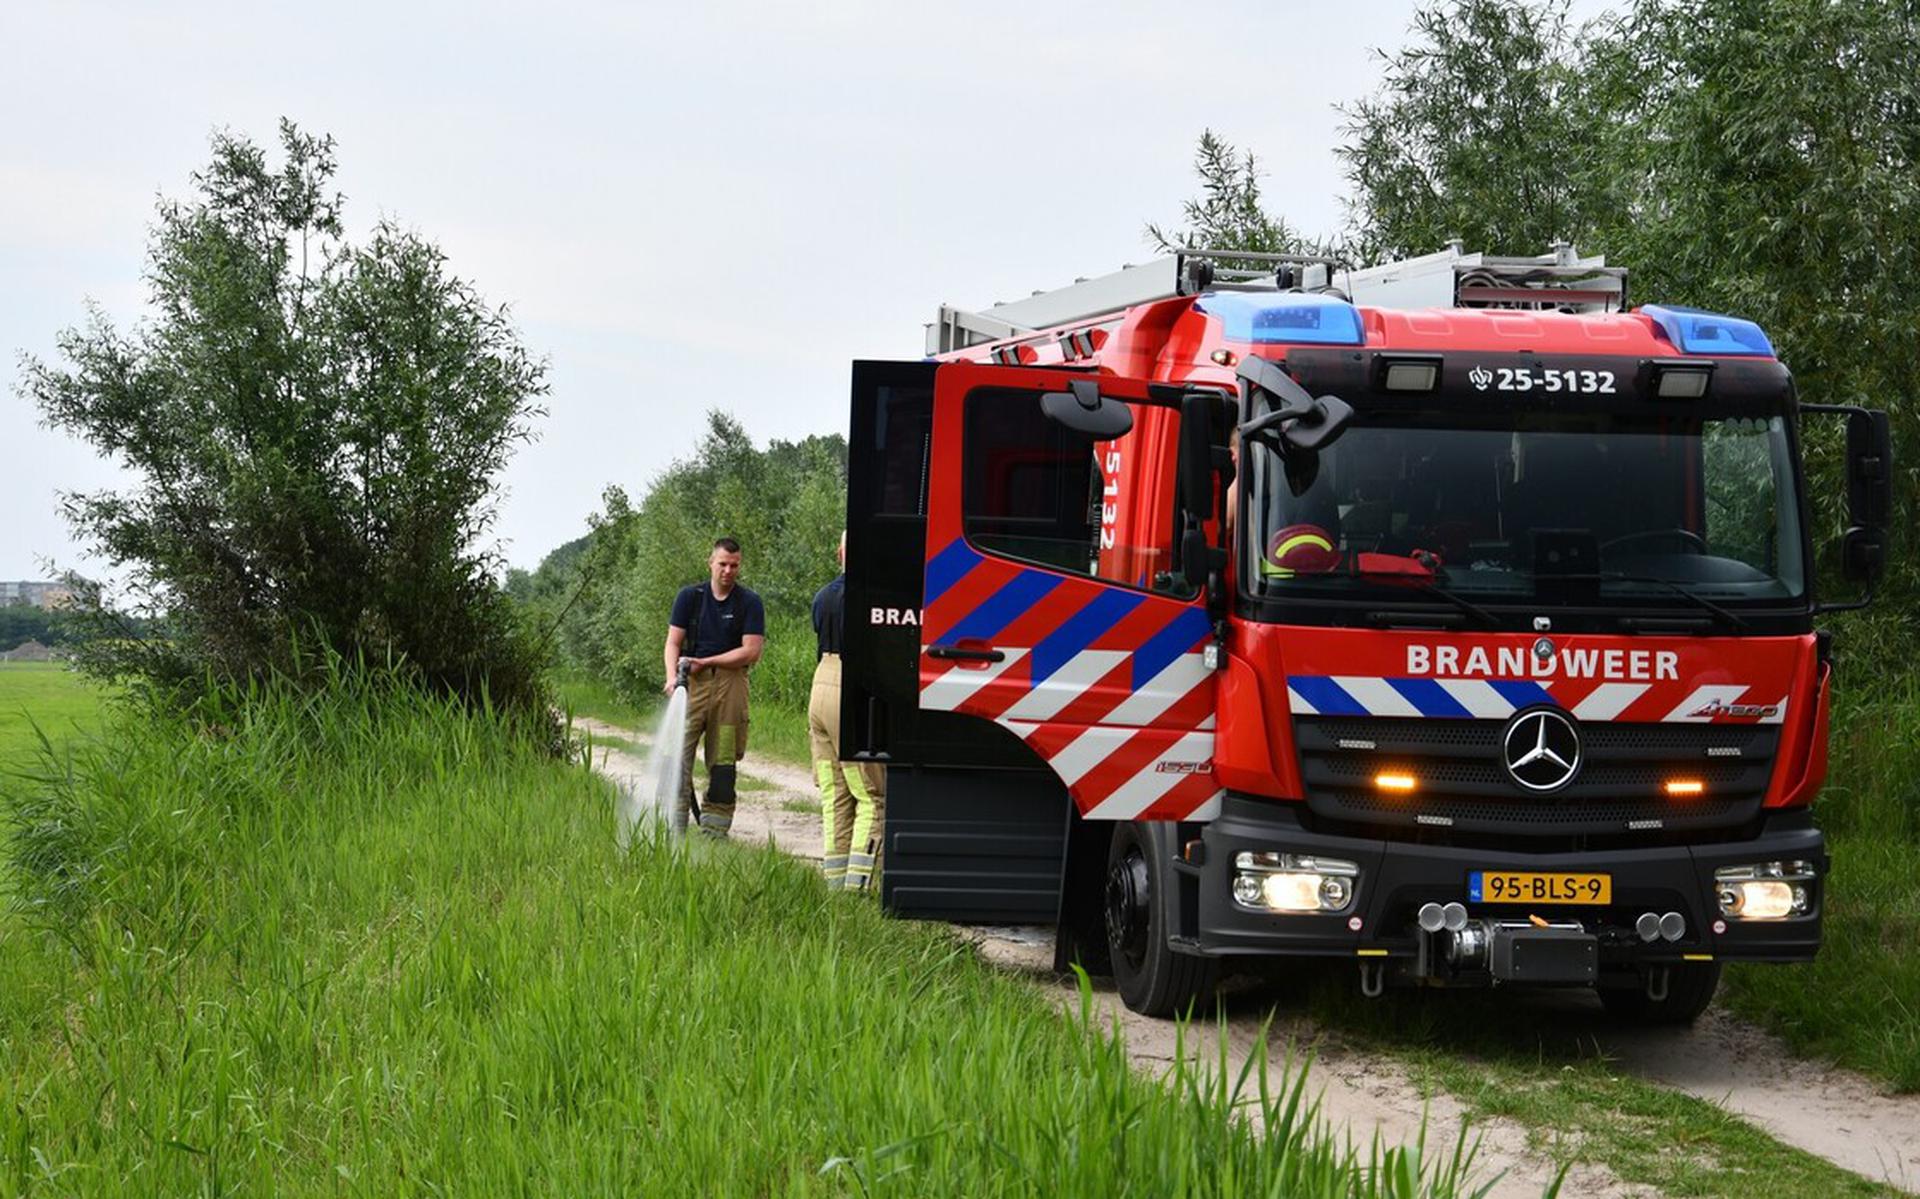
1287 882
1764 890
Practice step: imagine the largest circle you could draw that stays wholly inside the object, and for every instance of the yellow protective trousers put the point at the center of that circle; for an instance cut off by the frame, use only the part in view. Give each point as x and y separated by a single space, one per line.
717 721
853 795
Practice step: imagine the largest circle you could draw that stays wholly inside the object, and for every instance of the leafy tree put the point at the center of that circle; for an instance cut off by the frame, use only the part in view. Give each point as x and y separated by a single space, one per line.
1780 143
1229 213
314 428
1481 131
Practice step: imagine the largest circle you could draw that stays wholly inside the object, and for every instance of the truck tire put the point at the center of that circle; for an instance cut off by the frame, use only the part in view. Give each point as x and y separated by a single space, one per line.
1690 988
1152 979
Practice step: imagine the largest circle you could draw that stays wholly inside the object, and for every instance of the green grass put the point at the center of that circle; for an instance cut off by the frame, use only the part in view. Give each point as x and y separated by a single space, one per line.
779 733
46 694
1858 1003
583 695
369 944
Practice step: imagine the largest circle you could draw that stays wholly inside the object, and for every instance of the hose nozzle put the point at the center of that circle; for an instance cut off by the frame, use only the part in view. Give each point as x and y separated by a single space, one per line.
681 675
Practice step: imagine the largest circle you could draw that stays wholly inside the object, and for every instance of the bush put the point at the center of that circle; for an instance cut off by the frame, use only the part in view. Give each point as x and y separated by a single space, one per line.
314 429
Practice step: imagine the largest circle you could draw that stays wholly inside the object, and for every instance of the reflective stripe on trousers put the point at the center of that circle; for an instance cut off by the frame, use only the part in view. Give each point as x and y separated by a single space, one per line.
832 864
852 794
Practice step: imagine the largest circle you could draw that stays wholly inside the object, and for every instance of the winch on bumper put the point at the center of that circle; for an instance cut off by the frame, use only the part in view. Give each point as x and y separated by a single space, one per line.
1408 906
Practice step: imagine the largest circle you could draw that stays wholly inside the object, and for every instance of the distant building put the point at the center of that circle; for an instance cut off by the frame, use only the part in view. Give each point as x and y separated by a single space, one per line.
36 595
28 651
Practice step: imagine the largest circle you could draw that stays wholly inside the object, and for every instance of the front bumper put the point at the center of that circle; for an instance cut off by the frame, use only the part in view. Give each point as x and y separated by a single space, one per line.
1397 878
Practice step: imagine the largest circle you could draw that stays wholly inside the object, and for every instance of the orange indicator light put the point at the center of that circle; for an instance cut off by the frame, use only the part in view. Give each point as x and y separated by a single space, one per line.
1681 788
1395 780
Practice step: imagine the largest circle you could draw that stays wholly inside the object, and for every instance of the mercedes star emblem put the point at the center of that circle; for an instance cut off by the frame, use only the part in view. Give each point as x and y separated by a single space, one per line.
1542 749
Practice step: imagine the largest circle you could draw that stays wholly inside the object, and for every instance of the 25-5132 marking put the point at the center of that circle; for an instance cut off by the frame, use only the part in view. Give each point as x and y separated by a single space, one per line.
1548 379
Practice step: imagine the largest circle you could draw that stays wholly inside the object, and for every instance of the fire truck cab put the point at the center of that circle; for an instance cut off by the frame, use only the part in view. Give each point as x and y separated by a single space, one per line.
1445 616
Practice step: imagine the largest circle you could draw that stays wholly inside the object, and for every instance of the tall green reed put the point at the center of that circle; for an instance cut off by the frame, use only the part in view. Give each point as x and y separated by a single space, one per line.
360 941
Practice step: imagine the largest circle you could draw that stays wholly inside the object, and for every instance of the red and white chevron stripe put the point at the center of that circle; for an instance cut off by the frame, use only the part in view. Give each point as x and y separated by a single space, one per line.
1124 754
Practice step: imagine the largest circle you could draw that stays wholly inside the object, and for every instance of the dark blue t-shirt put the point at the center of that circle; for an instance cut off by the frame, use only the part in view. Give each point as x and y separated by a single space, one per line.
830 615
722 623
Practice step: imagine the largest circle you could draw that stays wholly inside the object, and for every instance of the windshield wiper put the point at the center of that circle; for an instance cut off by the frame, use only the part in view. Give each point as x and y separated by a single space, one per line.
1728 617
1427 586
1725 616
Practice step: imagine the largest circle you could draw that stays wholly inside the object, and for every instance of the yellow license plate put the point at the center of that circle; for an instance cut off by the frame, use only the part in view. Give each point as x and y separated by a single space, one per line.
1527 886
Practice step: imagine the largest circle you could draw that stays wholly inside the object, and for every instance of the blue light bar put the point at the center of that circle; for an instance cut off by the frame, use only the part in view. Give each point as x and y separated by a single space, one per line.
1267 318
1697 332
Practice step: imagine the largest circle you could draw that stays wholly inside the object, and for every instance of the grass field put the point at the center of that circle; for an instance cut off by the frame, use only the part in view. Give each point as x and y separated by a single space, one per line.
46 694
368 944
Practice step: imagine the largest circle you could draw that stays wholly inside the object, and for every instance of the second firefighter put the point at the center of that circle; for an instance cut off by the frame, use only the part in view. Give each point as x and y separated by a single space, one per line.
853 795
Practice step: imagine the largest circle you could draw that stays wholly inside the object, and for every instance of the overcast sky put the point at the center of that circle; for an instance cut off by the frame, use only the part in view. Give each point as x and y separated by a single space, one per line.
699 205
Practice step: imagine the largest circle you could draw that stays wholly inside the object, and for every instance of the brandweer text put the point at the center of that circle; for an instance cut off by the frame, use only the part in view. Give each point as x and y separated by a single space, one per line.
1451 661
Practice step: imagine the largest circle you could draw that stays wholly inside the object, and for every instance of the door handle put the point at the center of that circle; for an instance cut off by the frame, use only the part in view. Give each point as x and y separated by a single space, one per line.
962 653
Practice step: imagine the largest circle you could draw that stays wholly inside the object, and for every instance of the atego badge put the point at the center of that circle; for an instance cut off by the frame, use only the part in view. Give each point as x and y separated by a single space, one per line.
1542 749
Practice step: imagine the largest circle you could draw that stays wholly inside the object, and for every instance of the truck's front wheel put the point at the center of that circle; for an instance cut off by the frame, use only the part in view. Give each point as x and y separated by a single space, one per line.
1690 988
1151 977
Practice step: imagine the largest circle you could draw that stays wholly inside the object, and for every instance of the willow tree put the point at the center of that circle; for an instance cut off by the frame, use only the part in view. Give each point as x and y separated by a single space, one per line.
312 429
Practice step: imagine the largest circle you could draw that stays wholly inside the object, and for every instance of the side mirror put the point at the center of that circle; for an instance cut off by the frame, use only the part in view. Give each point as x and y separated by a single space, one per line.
1204 457
1318 429
1084 410
1196 457
1863 548
1296 418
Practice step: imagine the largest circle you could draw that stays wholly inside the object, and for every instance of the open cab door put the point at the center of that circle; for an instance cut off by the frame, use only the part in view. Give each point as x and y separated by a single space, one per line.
1022 630
1056 607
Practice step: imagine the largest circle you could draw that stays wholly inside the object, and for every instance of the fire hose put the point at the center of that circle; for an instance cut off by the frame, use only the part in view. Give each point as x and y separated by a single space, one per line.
680 678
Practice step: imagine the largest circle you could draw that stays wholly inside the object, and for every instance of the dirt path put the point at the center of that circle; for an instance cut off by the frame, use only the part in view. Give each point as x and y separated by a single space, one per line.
1836 1114
1831 1113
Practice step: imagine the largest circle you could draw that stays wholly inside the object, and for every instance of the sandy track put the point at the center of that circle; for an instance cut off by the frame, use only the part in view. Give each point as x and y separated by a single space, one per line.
1836 1114
1831 1113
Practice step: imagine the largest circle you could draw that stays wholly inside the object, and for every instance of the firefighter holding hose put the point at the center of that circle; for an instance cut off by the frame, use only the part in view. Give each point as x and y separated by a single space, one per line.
716 632
853 795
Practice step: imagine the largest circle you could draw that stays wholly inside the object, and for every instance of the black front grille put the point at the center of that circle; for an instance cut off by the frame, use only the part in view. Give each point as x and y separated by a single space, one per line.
1463 783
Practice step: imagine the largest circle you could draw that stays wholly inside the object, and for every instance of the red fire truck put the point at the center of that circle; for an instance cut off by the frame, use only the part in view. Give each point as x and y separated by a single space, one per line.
1447 616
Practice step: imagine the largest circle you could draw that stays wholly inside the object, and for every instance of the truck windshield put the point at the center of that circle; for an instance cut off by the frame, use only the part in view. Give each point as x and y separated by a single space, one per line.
1530 506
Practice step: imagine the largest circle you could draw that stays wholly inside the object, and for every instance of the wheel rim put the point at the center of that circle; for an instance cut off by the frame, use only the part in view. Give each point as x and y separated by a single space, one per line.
1128 898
